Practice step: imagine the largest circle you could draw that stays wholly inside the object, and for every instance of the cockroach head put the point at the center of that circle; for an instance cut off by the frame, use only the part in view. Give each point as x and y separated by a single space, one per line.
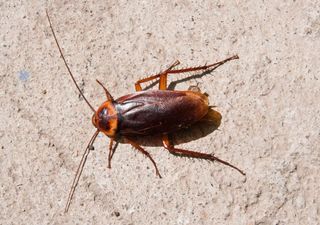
105 119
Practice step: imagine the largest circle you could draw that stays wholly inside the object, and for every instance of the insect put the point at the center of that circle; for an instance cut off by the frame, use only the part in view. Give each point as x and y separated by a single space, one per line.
145 113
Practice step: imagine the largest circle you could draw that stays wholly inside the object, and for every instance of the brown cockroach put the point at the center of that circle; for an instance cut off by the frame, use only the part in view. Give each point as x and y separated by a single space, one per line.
146 113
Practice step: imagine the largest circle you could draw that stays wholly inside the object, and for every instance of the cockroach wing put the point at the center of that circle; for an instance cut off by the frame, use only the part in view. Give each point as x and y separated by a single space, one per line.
159 111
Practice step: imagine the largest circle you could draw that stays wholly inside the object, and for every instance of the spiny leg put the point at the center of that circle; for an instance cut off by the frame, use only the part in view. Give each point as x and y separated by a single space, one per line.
139 82
163 76
182 152
205 67
139 148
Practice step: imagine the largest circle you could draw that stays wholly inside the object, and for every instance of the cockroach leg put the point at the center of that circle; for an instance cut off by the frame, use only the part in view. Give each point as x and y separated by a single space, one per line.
163 81
112 149
139 148
205 67
110 153
109 96
162 76
192 154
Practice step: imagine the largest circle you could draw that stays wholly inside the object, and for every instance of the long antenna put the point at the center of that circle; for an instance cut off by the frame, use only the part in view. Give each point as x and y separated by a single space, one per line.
65 62
80 169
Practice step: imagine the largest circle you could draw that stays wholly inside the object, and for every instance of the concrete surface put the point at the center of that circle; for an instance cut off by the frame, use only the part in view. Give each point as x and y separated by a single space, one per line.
269 101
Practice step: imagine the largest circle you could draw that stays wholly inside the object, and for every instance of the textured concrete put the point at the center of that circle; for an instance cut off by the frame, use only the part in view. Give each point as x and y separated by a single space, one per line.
269 101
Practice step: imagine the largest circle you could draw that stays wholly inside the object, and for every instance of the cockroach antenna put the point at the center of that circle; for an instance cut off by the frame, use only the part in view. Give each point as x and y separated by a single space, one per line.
89 146
65 62
79 170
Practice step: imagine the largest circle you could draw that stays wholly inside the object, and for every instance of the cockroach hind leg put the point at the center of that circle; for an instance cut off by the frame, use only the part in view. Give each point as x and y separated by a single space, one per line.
212 66
193 154
150 78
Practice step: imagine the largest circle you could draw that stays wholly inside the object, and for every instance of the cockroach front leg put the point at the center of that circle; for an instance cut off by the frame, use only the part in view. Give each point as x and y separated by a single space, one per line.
192 154
111 152
139 148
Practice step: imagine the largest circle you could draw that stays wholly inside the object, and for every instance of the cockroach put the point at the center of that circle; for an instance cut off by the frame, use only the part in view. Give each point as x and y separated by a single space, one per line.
146 112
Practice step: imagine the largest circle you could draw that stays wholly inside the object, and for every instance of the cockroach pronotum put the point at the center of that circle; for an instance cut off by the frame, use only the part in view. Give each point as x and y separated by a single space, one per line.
147 112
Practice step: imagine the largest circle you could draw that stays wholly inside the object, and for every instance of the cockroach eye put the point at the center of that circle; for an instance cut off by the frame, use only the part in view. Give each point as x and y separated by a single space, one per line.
103 119
103 114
